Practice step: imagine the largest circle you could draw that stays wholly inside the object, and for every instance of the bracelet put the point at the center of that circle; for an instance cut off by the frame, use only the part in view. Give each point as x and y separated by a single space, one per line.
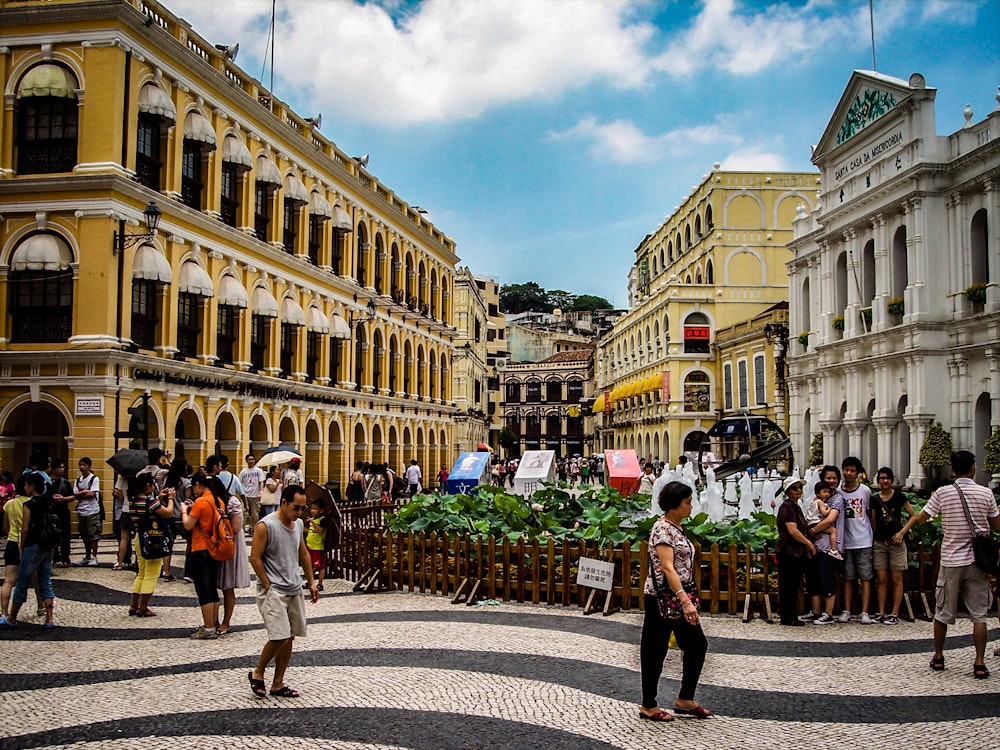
678 593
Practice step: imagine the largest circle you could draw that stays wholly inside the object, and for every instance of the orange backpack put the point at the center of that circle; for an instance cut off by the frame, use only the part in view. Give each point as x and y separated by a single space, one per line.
221 544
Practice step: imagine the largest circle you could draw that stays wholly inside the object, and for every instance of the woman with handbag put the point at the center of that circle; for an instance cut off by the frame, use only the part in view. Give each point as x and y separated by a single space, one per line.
793 549
671 608
889 558
151 516
200 519
235 573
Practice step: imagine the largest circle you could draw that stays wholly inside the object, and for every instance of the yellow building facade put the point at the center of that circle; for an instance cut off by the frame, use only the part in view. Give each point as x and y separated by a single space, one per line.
717 261
471 375
287 296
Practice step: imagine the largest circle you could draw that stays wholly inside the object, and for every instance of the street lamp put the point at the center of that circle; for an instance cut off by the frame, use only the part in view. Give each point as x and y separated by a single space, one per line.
124 239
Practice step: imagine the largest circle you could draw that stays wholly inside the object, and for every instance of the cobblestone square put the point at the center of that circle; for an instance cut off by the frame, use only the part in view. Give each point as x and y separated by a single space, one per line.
399 670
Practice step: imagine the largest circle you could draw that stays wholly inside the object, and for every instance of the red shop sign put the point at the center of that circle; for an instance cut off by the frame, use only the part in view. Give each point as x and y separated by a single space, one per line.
697 333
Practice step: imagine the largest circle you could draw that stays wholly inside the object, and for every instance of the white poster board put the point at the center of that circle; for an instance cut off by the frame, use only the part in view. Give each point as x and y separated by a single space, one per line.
597 574
535 467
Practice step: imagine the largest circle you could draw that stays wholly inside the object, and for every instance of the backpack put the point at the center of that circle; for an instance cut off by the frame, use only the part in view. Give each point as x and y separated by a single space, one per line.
49 527
399 487
221 544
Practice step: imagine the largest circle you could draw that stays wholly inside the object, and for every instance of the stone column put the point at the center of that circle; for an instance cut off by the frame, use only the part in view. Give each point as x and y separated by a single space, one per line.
851 321
885 428
993 240
915 295
963 429
919 424
883 277
993 357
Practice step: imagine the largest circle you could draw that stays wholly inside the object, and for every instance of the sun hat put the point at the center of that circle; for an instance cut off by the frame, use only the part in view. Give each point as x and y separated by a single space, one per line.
791 482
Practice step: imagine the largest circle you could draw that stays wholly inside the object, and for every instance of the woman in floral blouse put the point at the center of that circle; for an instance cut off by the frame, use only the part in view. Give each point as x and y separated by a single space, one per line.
671 584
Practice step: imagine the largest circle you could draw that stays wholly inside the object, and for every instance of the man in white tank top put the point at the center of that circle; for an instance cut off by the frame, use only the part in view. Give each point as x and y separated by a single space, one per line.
277 552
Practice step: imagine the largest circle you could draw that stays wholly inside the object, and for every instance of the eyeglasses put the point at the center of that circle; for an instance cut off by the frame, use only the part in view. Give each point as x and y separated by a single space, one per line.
298 508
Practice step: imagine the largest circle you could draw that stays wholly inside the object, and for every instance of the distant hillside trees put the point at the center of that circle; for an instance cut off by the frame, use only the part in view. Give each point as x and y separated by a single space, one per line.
530 297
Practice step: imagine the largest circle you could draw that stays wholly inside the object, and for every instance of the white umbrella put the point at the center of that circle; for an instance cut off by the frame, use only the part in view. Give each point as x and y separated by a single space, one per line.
278 455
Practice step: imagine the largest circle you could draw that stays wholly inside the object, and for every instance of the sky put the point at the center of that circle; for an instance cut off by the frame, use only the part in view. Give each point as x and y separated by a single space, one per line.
548 137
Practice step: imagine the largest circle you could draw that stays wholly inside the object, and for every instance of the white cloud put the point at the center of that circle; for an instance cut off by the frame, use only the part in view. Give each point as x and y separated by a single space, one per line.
754 159
622 141
396 64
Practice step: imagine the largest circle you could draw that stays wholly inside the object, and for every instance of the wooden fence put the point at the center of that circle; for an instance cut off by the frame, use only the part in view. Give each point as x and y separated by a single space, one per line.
467 569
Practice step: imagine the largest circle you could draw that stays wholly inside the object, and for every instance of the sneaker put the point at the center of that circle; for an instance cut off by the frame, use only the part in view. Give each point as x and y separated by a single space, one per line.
835 554
5 623
49 625
845 616
891 620
168 578
83 563
187 579
92 562
204 635
865 619
878 618
824 619
807 617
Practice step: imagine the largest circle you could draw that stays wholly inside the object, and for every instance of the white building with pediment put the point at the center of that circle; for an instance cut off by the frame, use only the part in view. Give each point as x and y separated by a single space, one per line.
894 297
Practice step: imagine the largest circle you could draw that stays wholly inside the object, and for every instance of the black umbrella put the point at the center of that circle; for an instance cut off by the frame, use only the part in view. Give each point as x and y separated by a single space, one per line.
129 462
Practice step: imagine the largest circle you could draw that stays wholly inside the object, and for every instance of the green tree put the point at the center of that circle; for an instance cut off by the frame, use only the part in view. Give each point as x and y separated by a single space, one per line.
527 297
508 441
816 450
991 462
561 299
590 302
935 453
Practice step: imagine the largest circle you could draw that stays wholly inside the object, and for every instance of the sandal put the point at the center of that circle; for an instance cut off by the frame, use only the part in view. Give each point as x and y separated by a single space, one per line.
145 613
257 686
698 712
220 632
937 663
132 611
980 672
660 715
285 692
117 566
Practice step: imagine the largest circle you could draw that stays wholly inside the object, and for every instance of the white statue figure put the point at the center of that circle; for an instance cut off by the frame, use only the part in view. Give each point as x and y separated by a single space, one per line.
747 506
812 478
768 494
730 496
713 497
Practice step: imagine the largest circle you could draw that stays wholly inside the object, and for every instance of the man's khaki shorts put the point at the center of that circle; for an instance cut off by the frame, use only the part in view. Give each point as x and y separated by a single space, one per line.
90 528
969 581
284 616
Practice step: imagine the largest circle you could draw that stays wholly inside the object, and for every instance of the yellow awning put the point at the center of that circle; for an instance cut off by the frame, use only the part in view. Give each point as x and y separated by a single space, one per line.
599 403
652 383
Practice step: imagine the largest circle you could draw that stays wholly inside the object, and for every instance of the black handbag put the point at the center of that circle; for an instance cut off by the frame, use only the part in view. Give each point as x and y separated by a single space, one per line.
985 548
669 603
156 539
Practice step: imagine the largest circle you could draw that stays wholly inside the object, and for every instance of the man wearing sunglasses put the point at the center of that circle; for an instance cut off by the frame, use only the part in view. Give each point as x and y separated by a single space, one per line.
276 554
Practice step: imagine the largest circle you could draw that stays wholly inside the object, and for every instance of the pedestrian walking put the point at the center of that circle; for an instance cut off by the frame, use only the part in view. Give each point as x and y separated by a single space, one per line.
144 503
235 572
62 494
413 477
966 509
277 552
252 478
670 583
88 507
37 540
200 519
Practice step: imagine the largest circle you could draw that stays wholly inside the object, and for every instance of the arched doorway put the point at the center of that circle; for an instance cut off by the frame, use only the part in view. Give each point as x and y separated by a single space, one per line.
394 457
902 439
360 443
188 439
314 452
227 438
260 436
336 471
981 431
36 427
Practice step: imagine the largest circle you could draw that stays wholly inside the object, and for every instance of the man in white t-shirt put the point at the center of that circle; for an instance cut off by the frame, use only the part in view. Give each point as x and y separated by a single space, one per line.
252 478
958 572
413 477
859 537
87 490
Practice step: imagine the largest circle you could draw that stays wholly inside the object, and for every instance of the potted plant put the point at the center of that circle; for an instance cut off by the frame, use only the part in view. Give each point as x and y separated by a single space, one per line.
976 294
804 338
935 453
866 317
838 323
895 306
991 462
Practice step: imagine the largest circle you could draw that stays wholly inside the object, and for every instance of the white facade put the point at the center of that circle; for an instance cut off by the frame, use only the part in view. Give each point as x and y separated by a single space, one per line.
905 219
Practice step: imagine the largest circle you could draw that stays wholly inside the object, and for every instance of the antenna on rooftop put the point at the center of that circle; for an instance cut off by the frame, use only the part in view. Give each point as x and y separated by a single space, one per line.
871 22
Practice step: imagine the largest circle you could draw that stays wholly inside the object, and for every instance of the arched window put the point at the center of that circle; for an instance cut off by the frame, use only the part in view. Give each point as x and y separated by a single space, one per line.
199 142
361 253
156 116
670 252
709 272
697 334
868 274
900 275
697 276
697 226
150 275
687 236
47 114
980 248
709 225
697 392
40 289
379 262
840 285
804 307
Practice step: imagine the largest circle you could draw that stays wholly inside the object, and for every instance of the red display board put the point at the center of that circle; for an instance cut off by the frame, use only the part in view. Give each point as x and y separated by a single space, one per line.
622 470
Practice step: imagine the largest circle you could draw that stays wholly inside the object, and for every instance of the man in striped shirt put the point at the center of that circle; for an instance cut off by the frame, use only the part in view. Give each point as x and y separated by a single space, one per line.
958 571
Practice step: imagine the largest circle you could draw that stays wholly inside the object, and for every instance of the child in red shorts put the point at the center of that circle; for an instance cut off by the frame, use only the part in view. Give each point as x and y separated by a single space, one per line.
316 526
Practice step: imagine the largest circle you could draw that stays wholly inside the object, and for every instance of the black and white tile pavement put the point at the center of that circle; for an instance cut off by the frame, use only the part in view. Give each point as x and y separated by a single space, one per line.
413 671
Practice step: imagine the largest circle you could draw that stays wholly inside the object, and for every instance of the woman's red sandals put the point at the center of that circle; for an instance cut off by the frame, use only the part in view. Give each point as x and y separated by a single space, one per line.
656 716
257 686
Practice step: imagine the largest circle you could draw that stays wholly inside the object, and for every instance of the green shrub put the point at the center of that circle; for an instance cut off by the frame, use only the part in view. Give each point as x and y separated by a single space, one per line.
816 450
991 461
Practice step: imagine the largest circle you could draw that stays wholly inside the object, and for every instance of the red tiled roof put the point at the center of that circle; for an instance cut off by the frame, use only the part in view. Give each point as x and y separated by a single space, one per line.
581 355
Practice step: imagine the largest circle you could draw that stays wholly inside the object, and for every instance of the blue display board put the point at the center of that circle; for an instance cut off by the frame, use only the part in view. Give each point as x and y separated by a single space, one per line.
470 470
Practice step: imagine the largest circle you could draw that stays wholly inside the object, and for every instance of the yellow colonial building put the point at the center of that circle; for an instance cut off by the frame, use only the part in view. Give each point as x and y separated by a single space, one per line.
286 296
470 372
715 263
